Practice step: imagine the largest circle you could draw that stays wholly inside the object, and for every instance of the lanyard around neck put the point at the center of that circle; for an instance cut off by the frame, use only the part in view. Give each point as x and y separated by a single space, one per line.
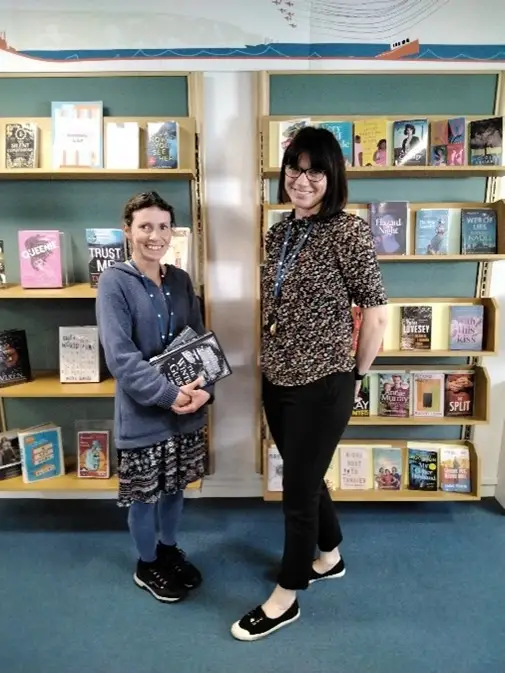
165 335
287 261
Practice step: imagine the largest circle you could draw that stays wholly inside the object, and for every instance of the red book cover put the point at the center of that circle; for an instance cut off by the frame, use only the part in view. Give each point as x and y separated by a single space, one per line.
93 455
459 394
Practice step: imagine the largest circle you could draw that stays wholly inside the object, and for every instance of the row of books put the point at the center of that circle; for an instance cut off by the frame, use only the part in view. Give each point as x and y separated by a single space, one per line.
422 394
457 327
420 466
437 231
45 256
379 141
36 454
82 138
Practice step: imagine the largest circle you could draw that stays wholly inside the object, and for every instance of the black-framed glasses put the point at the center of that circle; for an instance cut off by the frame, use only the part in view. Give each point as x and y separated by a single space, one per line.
311 173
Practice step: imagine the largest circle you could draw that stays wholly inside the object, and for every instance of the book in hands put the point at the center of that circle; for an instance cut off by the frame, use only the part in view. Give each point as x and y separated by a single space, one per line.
200 356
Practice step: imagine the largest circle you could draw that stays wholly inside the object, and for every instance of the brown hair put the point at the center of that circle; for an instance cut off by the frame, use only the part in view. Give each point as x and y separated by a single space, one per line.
146 200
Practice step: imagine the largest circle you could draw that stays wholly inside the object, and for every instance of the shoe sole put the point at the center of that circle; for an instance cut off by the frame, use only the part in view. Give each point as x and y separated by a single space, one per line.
244 636
146 587
328 577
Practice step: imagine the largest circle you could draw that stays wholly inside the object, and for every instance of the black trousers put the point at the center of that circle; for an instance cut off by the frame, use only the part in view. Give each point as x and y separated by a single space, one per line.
306 423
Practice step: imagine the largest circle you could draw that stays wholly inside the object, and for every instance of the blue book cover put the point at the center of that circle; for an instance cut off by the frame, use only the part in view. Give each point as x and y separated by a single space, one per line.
432 231
42 453
106 247
466 328
478 231
387 468
163 144
423 469
343 133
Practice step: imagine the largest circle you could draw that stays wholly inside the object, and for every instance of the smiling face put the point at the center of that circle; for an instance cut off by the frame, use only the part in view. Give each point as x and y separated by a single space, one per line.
305 187
149 234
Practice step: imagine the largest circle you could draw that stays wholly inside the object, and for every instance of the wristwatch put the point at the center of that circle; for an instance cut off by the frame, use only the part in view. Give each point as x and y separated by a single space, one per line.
357 375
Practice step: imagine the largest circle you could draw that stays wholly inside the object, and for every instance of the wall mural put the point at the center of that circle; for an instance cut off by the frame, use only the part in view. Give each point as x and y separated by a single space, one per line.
266 32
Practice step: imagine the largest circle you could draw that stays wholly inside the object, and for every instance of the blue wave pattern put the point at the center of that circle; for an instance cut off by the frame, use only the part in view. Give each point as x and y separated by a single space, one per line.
288 50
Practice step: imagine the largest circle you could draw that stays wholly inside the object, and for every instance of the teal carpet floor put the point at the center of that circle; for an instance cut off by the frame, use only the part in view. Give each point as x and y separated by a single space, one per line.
424 592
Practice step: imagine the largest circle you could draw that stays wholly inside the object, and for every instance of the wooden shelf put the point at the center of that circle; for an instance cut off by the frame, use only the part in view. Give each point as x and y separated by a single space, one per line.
75 291
69 482
367 172
97 174
417 420
47 384
403 495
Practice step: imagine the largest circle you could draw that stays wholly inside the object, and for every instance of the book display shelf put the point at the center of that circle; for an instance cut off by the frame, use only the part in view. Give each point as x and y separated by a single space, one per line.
441 283
71 200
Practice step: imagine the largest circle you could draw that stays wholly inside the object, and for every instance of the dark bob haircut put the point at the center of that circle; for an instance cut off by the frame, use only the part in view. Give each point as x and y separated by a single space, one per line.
324 154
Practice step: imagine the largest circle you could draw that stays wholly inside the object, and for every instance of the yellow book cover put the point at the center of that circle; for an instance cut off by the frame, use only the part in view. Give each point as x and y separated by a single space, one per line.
370 142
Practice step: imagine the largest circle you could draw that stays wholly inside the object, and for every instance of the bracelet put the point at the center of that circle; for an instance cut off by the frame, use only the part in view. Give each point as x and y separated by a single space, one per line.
357 375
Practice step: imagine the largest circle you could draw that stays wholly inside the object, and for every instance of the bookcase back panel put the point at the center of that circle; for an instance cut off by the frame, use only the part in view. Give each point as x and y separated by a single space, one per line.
355 94
135 96
24 413
73 206
397 96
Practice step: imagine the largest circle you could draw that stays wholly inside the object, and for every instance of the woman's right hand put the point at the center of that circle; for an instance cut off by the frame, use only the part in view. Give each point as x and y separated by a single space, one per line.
183 399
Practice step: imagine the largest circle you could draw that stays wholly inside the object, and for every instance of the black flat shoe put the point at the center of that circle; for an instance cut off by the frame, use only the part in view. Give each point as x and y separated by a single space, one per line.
337 571
255 624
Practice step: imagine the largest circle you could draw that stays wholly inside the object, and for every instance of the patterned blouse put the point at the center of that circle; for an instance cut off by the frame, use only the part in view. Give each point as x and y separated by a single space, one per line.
337 266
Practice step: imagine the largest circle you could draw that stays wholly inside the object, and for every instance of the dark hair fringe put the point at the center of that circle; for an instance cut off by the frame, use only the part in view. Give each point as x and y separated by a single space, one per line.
146 200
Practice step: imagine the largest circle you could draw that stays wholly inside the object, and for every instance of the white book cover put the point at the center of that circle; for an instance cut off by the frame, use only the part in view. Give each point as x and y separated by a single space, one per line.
77 134
274 469
287 131
276 215
79 354
122 145
179 252
355 467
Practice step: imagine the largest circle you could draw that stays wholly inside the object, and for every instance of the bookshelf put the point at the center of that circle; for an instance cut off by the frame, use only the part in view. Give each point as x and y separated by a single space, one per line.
72 200
438 281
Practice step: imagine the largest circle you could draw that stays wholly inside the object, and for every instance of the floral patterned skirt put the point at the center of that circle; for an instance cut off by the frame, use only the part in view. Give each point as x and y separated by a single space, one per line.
167 467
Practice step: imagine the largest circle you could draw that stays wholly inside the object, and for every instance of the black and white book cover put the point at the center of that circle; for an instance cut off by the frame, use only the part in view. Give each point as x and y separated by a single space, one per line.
10 455
80 360
200 357
14 357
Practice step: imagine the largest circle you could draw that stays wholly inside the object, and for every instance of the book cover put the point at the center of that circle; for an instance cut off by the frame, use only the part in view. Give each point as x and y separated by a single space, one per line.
415 327
459 394
14 357
41 453
439 140
478 231
21 145
371 142
423 469
410 141
456 141
388 221
178 253
362 402
122 145
93 454
287 131
274 469
486 142
202 357
79 354
162 147
3 275
428 397
275 216
387 468
10 455
394 395
41 258
355 468
342 130
106 247
466 328
77 134
455 473
332 475
438 231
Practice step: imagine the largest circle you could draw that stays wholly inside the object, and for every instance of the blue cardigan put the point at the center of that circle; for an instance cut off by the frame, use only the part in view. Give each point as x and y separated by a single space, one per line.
128 325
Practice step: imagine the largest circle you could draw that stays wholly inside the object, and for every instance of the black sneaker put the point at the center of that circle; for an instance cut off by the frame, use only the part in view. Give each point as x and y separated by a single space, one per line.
174 560
255 624
338 570
163 585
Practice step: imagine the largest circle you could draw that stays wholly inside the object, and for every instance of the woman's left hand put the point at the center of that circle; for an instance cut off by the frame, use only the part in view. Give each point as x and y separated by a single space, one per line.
199 397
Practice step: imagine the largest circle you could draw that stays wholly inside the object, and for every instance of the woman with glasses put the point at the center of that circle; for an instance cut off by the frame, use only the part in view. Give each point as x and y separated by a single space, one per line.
319 262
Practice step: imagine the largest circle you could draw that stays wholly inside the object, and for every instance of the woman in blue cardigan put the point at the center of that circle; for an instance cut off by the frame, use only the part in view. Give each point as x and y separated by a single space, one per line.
159 428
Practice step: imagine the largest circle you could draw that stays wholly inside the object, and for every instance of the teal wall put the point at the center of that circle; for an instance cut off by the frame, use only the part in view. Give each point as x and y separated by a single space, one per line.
398 95
71 206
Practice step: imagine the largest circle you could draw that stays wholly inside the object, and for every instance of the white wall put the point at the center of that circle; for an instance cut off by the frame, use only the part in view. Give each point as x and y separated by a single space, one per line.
230 168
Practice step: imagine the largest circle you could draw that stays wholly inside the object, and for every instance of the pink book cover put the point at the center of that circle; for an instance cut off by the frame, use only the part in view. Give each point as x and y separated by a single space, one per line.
40 258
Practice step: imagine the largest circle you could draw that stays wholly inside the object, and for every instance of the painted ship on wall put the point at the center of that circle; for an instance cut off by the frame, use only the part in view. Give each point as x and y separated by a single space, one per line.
404 49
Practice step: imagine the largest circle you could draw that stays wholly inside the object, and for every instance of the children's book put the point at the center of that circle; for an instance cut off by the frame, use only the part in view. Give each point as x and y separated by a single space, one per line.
41 453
